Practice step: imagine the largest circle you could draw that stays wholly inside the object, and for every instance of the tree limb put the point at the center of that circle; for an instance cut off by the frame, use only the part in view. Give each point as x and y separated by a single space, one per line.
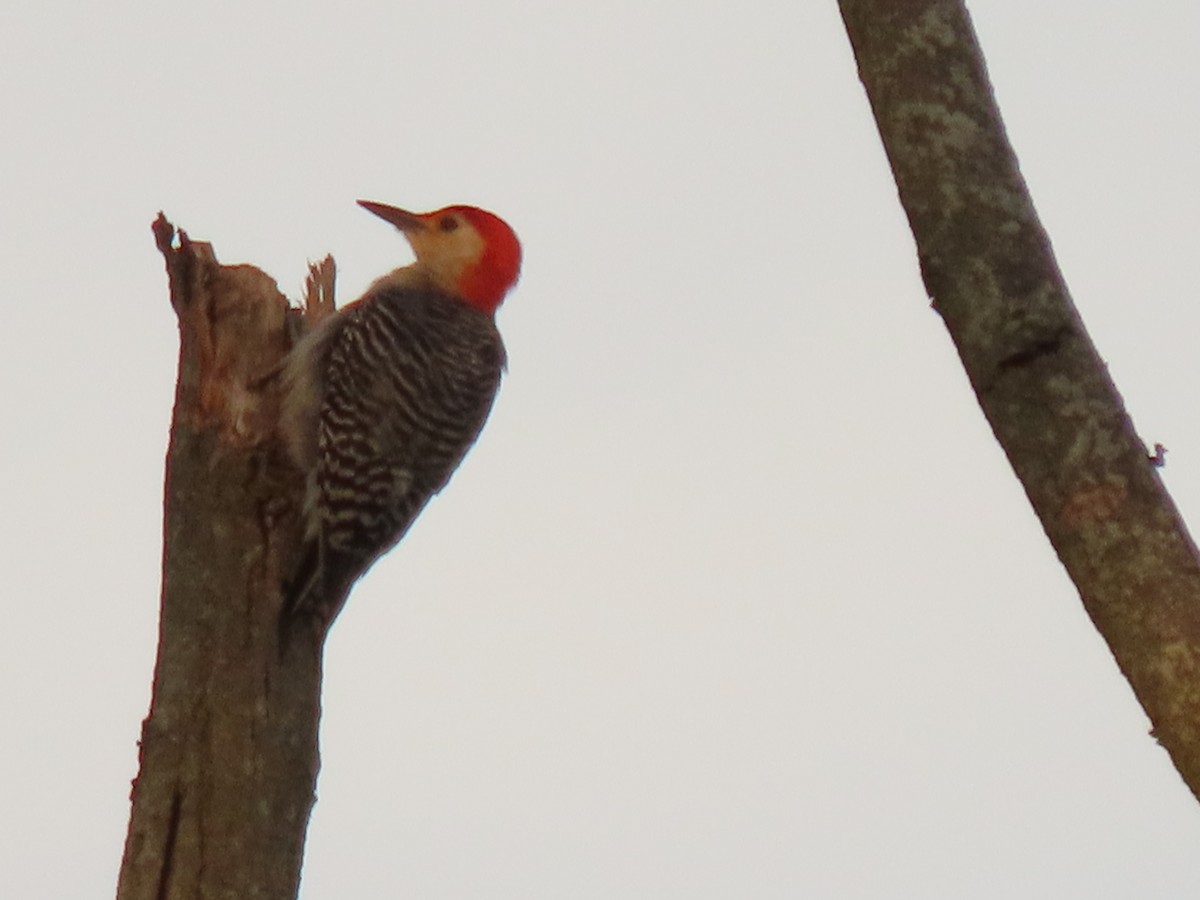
987 264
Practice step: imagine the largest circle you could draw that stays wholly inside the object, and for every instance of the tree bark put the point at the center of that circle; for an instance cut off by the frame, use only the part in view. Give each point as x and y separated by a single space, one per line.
228 758
987 264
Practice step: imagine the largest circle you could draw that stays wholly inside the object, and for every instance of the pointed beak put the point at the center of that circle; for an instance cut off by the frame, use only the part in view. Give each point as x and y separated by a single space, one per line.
401 218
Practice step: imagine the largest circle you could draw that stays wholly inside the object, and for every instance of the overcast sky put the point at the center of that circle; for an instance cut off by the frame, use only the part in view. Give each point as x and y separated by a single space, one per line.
736 596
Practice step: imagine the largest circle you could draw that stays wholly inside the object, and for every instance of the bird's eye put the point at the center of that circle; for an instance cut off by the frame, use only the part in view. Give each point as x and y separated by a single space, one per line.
448 223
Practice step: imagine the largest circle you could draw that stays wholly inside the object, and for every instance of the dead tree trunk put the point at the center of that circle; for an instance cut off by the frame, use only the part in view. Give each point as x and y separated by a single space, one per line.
987 264
228 758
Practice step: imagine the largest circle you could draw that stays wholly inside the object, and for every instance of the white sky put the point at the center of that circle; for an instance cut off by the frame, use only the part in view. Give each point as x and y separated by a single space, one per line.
737 596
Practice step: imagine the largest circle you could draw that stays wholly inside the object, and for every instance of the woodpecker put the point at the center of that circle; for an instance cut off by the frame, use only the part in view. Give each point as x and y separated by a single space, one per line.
383 399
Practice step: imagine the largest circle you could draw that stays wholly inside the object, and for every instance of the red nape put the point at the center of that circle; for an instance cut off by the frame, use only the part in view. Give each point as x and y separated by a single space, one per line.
486 283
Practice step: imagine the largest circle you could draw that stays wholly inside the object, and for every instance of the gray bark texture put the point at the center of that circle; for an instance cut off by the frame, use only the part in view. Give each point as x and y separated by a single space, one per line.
988 266
228 758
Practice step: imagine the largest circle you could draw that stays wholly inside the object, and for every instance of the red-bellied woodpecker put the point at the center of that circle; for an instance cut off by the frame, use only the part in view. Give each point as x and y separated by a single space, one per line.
383 399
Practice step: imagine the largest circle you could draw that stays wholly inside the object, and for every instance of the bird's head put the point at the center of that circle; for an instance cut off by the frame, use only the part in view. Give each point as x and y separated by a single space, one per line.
465 251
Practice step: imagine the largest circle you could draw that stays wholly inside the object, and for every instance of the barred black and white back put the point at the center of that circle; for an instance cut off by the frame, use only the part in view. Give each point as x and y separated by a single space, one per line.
381 403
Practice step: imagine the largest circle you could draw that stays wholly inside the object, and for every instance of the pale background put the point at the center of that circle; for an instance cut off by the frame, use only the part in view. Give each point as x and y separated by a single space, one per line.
737 596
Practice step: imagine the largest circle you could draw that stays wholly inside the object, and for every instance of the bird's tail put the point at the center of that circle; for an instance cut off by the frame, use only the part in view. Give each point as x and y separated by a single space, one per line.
302 594
299 591
315 593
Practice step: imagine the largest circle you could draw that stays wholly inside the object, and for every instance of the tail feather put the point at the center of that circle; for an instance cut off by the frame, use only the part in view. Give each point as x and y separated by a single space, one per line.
303 587
302 596
317 590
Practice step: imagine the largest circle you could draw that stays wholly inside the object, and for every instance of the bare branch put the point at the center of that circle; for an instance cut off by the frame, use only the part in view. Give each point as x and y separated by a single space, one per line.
988 266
